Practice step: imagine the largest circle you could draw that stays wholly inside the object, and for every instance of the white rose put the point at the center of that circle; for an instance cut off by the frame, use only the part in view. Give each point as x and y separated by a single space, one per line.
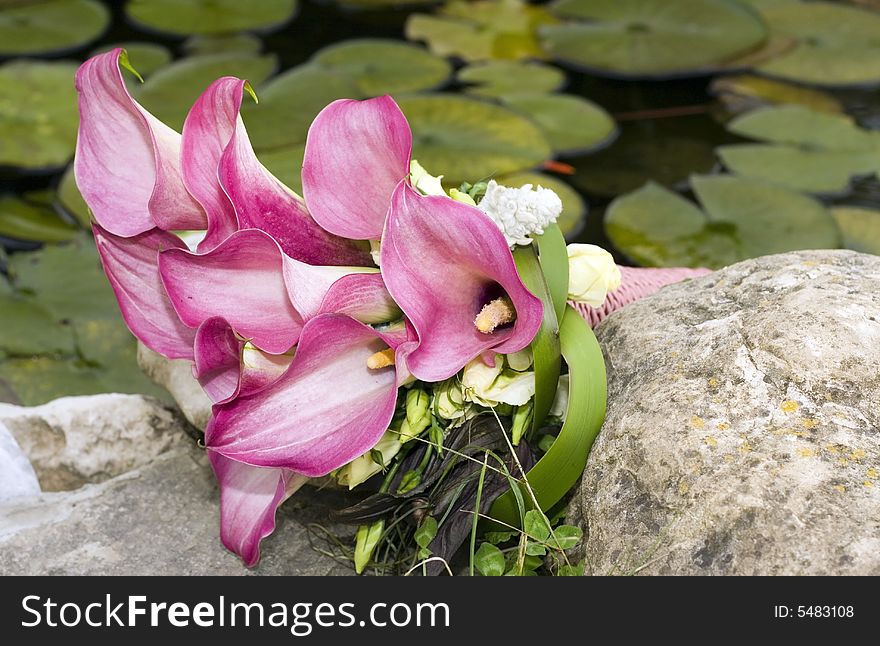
490 386
592 273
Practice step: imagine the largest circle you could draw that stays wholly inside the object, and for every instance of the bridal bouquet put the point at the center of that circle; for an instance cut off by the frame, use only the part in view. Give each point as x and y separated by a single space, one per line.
401 339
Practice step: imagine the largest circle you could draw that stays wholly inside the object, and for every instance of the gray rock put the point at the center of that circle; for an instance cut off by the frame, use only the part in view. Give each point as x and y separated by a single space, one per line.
77 440
743 426
176 377
160 519
17 477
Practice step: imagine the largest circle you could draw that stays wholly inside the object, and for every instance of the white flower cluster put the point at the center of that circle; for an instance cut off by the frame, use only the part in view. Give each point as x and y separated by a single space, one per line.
519 212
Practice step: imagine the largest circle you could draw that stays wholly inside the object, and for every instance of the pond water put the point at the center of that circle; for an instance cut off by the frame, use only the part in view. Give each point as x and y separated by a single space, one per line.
666 130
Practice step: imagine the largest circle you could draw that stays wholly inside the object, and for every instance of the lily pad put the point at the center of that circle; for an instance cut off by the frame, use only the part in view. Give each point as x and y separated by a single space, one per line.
500 78
574 207
859 227
383 4
666 152
570 124
744 92
741 218
222 44
289 103
63 333
380 66
70 199
468 140
171 91
31 217
483 30
148 57
809 151
38 116
185 17
836 45
50 26
652 38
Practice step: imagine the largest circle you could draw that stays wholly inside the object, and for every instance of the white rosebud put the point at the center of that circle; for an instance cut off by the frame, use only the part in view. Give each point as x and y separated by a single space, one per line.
365 467
520 212
426 184
449 403
498 384
592 273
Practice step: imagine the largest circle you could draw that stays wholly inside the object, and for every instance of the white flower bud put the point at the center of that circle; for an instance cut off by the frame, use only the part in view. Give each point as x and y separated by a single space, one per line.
592 273
520 212
490 386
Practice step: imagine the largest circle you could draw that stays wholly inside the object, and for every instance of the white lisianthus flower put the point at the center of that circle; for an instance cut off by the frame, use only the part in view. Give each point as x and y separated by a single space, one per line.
520 212
498 384
449 403
365 467
426 183
592 273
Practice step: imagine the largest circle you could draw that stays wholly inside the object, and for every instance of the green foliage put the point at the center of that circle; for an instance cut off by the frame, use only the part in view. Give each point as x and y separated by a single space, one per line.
489 560
184 17
31 217
49 26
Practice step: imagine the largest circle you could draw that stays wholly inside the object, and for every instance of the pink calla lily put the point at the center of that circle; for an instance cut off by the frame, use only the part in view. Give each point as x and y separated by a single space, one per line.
442 294
127 163
327 409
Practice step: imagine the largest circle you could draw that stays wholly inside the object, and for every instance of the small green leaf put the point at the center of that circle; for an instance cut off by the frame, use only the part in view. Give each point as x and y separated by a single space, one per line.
496 538
426 531
535 525
489 560
571 570
565 537
545 442
535 549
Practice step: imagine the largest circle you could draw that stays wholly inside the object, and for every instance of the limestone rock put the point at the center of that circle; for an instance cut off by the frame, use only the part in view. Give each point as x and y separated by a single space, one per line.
76 440
17 477
176 377
743 426
160 519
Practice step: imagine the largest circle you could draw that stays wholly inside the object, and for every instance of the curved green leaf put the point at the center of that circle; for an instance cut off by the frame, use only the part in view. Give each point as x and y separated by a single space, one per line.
554 263
563 464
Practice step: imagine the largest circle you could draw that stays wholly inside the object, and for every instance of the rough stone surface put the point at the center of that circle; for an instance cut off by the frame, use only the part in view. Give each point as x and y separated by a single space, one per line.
176 377
160 519
743 427
76 440
17 477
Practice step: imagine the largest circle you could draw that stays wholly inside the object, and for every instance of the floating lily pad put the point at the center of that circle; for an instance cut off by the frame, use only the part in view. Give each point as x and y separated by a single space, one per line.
38 116
289 103
31 217
744 92
71 200
480 31
574 207
499 78
50 26
836 45
809 151
859 227
285 164
467 140
222 44
666 152
741 218
148 57
380 66
570 124
650 38
62 331
383 4
185 17
171 91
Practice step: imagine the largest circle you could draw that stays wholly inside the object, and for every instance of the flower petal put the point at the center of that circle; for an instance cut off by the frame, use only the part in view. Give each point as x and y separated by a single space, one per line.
218 359
249 498
356 153
131 265
209 126
262 202
442 261
326 410
127 163
362 296
241 280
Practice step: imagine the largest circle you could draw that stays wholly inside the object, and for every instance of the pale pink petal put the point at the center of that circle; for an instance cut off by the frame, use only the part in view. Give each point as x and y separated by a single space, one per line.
218 359
262 202
635 283
259 369
326 410
307 285
242 281
209 126
362 296
249 498
356 153
127 162
442 261
131 265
